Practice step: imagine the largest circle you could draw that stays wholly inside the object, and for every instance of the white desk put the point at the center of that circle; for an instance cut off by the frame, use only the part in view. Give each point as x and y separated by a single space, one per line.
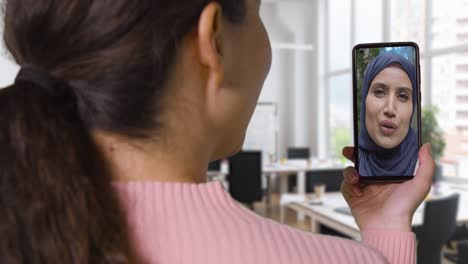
297 167
325 214
216 175
293 167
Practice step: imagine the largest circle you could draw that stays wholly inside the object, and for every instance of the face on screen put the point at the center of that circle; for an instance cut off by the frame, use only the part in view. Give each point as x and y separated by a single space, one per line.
387 104
389 107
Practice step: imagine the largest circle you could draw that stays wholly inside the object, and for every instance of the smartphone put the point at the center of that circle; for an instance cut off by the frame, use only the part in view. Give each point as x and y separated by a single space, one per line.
387 110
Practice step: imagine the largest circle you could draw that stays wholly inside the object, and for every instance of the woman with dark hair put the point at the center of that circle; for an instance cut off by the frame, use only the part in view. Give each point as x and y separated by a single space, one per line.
388 146
107 132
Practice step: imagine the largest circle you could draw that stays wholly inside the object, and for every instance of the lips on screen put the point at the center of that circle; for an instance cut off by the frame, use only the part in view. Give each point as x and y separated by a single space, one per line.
388 86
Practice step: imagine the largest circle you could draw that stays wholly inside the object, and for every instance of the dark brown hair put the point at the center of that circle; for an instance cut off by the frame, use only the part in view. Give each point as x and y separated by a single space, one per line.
57 204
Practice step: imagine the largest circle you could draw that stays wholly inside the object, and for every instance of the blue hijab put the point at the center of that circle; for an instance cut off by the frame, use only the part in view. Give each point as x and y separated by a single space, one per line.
375 160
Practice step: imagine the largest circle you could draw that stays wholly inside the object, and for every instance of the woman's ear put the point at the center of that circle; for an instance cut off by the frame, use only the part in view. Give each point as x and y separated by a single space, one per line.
210 43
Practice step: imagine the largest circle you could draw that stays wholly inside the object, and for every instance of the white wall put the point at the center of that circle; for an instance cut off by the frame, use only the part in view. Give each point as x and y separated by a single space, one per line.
8 69
293 79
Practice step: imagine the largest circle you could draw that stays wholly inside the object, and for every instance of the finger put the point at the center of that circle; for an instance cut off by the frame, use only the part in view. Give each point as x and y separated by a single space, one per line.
345 190
348 152
350 175
426 168
352 179
357 190
350 190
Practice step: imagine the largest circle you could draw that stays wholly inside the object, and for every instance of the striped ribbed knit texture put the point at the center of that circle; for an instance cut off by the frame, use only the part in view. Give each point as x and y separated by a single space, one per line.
178 223
403 242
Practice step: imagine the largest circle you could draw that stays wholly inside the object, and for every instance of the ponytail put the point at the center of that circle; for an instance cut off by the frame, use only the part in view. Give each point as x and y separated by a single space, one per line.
56 201
105 65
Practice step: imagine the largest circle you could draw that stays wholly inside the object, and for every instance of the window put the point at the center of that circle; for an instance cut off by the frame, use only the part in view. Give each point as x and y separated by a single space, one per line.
462 99
462 37
341 114
440 28
462 115
462 22
444 69
339 35
444 27
369 22
462 68
444 92
406 23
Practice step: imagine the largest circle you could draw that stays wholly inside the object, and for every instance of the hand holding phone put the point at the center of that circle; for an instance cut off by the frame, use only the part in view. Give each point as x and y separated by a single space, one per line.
387 126
387 137
388 206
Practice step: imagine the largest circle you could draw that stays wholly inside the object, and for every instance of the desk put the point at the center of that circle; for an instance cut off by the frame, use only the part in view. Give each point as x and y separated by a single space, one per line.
218 176
293 167
325 214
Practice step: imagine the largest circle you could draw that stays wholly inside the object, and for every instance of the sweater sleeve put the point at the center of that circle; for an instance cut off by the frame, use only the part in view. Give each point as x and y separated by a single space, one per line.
397 246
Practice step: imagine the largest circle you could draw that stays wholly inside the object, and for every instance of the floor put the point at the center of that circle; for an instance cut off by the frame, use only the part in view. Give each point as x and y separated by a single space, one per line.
272 211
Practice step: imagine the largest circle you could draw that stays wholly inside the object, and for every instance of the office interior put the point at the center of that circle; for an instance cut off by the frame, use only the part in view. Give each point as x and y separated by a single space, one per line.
304 116
290 168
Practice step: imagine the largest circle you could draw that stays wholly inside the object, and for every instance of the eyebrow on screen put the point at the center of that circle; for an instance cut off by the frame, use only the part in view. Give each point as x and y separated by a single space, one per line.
405 89
383 85
379 85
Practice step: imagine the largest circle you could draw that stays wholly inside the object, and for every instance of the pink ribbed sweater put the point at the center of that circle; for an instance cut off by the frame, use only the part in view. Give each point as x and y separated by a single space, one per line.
180 223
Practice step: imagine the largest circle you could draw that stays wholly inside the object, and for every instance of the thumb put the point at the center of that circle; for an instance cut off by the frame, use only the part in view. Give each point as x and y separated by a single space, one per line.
348 152
426 168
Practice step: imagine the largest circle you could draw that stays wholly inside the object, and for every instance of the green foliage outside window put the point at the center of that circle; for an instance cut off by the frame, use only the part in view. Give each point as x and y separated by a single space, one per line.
431 132
340 138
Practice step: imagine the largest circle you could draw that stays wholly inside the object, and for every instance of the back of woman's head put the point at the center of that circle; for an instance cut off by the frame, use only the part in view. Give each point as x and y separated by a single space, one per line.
86 65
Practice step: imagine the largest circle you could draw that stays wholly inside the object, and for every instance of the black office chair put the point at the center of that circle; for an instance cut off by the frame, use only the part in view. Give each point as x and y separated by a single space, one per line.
245 177
460 233
462 252
460 237
440 218
332 179
296 153
214 165
461 257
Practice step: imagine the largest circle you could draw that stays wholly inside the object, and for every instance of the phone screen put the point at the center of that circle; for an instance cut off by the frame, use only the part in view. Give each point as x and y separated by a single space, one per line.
387 126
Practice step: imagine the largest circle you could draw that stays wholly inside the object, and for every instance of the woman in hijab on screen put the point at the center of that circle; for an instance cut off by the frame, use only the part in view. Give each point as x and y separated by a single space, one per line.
388 145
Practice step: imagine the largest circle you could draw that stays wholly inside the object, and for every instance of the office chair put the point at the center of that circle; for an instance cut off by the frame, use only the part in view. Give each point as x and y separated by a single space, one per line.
440 218
462 252
214 165
461 257
460 236
296 153
245 177
332 179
